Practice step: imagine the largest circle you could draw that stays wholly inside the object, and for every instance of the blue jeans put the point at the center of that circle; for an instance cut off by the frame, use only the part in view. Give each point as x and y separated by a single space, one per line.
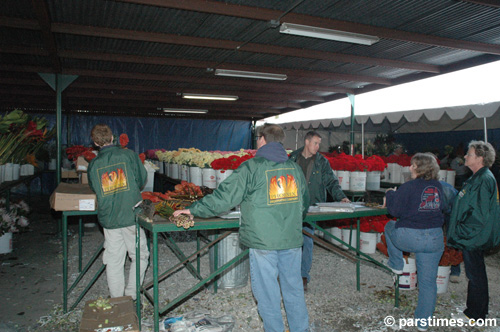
307 253
265 268
428 246
477 290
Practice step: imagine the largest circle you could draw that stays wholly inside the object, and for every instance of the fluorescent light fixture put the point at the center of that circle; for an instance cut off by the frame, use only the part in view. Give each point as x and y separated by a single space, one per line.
343 36
250 74
209 97
183 110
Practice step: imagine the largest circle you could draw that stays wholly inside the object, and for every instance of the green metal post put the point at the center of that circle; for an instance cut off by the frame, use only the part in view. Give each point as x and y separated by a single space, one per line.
155 281
65 261
351 99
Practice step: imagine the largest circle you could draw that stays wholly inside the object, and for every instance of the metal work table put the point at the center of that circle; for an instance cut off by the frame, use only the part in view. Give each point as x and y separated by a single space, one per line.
161 225
82 272
8 185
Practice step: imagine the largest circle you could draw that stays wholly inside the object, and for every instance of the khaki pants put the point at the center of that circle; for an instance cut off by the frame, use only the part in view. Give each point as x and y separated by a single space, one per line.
117 243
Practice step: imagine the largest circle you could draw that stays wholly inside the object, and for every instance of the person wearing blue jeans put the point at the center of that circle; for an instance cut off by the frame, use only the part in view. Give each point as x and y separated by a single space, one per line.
419 206
274 199
428 246
267 268
320 180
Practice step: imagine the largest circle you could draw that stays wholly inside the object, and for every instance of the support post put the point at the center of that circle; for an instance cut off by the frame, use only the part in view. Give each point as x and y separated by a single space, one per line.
58 83
351 99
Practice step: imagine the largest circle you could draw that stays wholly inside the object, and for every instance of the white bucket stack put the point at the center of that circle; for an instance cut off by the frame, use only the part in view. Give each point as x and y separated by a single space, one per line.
408 280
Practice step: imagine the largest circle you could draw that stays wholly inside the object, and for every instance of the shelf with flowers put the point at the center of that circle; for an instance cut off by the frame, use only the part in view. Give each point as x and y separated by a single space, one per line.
226 165
21 137
356 173
11 221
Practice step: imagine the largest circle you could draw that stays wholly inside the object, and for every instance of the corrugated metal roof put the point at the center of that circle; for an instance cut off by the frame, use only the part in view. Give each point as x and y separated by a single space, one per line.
175 43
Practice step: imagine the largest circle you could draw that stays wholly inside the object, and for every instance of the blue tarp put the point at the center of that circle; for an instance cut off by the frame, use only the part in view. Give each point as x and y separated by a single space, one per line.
160 133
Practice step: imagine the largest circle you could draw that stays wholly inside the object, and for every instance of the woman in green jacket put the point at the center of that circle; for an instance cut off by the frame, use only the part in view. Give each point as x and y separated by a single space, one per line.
475 224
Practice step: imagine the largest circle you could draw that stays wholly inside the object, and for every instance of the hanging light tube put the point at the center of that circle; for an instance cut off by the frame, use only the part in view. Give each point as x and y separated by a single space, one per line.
250 74
183 110
343 36
208 97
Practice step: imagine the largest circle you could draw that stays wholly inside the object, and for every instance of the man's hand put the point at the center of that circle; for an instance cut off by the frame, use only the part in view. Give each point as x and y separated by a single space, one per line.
345 200
185 211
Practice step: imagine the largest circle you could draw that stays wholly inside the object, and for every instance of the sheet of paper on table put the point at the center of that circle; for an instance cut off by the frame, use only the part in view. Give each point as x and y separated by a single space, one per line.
335 207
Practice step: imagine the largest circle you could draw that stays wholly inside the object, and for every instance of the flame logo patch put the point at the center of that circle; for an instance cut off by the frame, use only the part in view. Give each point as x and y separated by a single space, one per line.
283 189
113 179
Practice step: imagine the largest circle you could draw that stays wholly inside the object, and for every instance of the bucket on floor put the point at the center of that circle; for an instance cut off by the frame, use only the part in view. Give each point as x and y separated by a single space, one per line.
443 279
335 231
237 275
343 177
367 242
408 280
345 237
6 243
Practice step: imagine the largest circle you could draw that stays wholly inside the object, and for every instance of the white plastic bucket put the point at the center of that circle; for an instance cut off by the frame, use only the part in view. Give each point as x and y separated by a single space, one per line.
345 237
185 173
195 175
161 168
442 175
343 177
443 279
335 231
6 243
209 178
222 174
405 174
373 180
408 280
175 171
394 173
450 177
166 167
8 172
357 181
367 242
16 171
150 181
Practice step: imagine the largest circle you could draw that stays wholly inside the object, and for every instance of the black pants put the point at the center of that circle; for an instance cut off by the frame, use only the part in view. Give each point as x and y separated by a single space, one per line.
477 291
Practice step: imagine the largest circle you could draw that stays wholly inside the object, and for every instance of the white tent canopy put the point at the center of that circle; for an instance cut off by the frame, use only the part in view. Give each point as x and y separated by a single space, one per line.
465 117
444 119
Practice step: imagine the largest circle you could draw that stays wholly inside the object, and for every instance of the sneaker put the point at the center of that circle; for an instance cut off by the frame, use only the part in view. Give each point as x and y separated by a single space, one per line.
460 315
386 263
455 279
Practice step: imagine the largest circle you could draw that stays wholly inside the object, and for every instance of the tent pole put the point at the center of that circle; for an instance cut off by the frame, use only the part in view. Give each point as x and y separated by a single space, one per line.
351 99
296 139
485 131
363 140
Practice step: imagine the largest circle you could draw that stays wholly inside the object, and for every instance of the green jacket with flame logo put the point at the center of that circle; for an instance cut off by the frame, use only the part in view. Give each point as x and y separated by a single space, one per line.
274 199
117 176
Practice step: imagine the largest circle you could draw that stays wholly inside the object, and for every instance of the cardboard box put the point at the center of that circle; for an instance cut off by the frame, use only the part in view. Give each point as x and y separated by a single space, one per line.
122 314
81 164
73 197
68 174
84 179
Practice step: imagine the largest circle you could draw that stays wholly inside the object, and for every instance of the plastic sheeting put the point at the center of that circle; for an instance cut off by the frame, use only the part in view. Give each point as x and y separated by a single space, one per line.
160 133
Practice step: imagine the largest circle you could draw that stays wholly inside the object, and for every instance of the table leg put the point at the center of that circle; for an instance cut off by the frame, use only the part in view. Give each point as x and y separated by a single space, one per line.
155 282
358 261
137 270
65 261
80 235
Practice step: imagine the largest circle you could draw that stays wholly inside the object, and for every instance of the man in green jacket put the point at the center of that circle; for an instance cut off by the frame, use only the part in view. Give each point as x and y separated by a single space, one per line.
117 175
274 200
475 225
320 179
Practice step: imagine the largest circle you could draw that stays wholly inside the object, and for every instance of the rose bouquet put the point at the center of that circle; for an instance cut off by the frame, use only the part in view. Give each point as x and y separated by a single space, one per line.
22 136
231 162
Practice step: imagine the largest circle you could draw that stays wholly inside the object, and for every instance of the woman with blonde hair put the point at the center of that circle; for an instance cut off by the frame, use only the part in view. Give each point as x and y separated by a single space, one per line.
418 205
